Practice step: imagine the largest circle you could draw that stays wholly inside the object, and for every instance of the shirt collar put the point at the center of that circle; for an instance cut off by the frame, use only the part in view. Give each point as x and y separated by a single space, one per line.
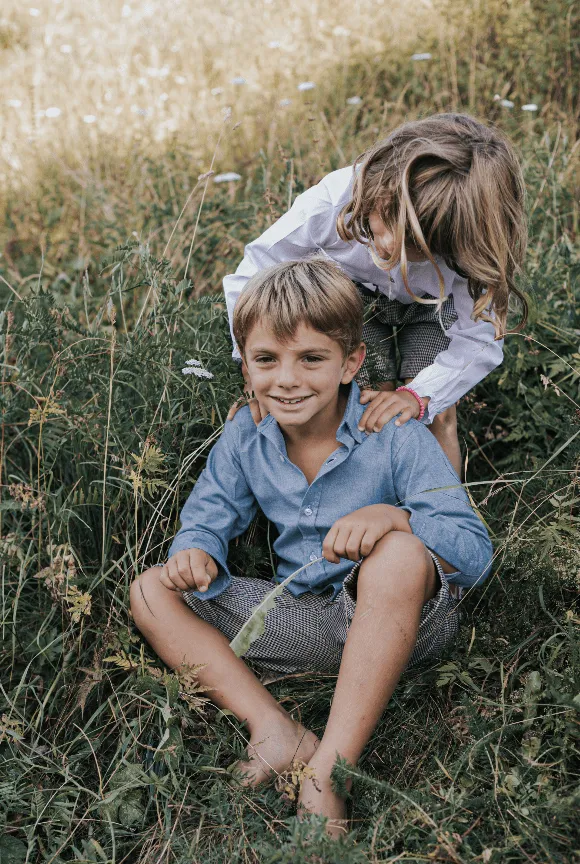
347 431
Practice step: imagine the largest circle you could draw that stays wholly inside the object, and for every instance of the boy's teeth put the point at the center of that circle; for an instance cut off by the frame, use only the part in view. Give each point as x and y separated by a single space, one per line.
291 401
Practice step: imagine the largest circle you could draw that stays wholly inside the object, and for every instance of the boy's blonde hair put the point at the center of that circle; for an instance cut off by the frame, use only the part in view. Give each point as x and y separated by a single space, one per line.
453 187
313 291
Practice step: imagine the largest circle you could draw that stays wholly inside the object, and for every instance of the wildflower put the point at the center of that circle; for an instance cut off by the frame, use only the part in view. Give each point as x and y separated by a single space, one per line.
163 97
354 100
89 118
505 103
422 56
34 13
306 85
531 106
179 79
66 49
53 112
14 103
126 11
274 44
142 112
216 91
340 31
227 177
238 80
284 102
194 367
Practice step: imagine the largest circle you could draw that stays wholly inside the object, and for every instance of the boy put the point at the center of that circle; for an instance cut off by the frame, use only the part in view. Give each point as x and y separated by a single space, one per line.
389 498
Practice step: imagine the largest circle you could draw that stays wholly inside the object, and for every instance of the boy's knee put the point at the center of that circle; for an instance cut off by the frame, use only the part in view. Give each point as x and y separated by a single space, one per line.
380 571
147 594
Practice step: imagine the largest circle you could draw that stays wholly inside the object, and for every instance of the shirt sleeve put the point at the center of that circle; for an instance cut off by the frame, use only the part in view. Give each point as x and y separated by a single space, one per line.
428 488
472 354
306 228
219 508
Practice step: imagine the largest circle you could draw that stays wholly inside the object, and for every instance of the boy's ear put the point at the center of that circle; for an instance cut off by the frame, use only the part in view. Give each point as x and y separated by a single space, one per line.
353 363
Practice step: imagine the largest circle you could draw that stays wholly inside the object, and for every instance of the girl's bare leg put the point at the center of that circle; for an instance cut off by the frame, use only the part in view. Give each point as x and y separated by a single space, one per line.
179 636
394 582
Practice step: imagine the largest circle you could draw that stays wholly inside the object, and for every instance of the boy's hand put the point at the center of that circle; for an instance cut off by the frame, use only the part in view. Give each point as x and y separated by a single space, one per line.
354 536
248 399
386 404
189 570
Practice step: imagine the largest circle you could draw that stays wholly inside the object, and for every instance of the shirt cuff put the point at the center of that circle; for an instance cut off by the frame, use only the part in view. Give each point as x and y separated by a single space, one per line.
203 541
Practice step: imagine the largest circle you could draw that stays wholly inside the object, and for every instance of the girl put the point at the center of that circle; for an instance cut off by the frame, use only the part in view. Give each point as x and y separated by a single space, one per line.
430 225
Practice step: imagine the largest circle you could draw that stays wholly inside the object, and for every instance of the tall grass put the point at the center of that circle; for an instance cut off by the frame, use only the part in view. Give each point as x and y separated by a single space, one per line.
104 755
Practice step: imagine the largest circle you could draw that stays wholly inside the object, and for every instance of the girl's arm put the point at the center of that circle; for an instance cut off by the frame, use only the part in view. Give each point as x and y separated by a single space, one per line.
472 354
308 227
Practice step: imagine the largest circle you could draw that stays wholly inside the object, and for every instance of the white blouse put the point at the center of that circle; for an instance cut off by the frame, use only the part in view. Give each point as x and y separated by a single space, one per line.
309 227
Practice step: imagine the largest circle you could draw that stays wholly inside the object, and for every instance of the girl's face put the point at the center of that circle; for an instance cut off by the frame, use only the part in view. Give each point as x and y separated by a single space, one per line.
384 240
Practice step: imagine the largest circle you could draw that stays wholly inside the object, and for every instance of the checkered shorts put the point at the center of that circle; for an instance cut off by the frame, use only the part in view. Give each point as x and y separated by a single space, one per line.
415 329
307 633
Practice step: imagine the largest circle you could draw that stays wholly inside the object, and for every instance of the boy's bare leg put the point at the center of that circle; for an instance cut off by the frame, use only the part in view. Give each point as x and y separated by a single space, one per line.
179 636
394 582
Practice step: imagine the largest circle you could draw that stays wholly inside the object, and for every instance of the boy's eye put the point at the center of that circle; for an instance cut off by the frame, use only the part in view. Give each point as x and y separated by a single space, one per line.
312 358
264 359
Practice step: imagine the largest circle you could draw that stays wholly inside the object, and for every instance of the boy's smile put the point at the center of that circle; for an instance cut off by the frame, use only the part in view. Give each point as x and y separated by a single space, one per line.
298 381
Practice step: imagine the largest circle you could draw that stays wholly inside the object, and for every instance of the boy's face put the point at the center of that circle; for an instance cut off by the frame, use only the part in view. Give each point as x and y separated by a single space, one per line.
298 381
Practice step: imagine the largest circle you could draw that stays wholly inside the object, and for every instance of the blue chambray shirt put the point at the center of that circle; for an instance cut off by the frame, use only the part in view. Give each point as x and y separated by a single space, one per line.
402 465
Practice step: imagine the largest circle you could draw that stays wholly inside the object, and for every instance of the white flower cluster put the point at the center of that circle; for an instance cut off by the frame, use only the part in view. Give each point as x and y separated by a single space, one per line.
194 367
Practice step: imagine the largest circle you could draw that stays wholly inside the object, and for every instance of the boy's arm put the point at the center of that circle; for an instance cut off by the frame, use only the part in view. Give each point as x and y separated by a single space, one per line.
219 508
440 514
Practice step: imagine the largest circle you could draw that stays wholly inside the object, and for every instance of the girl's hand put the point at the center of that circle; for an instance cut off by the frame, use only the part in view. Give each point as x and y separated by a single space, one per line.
354 536
189 570
385 405
247 399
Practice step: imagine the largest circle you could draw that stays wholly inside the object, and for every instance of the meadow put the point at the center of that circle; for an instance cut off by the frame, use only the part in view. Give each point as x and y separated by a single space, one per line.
141 145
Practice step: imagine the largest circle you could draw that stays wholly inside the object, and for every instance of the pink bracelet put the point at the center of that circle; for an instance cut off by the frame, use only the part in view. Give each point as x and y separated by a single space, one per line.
417 397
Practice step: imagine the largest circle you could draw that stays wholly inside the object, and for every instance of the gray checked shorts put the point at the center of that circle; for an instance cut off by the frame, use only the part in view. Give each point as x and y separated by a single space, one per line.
307 633
416 330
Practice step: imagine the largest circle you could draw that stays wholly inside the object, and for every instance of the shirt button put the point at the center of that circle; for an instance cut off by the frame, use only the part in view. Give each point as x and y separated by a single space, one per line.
314 556
308 511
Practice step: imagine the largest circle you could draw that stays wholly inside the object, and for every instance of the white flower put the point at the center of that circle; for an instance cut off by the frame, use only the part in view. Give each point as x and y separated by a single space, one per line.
424 56
284 102
505 103
340 31
126 11
274 44
227 177
194 367
179 79
89 118
216 91
34 13
153 72
354 100
163 97
306 85
238 80
14 103
142 112
531 106
53 112
66 49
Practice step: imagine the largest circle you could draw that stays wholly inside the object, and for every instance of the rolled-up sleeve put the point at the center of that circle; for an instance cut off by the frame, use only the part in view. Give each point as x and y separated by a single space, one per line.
219 508
441 516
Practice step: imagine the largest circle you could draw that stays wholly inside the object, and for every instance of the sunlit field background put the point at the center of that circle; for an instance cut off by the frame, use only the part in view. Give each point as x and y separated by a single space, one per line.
141 146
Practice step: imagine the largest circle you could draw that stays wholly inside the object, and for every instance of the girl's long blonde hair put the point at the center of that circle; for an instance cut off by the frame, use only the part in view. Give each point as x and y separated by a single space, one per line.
453 187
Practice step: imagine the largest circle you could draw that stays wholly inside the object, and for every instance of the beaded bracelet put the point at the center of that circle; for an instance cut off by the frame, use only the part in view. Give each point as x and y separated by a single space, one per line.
417 397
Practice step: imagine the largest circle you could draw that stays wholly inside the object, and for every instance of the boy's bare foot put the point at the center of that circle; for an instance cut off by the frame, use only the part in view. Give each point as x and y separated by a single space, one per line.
273 747
318 797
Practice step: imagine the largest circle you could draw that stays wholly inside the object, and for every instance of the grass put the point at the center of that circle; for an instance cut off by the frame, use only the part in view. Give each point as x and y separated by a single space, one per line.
104 755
